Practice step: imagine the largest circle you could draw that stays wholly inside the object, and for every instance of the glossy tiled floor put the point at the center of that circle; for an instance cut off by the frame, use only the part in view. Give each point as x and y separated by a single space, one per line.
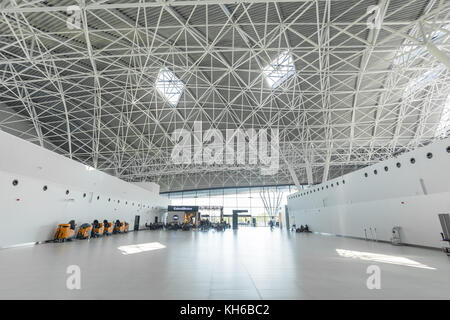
247 264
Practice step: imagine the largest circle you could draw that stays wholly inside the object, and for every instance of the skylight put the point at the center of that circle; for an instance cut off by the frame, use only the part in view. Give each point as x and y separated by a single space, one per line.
407 53
280 69
444 123
169 86
424 80
410 51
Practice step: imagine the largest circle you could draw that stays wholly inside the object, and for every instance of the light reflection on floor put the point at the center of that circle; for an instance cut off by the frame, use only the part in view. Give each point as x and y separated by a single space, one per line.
383 258
252 263
141 247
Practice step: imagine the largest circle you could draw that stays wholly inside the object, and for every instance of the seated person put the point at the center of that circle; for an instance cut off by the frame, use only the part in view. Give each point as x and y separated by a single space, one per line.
306 228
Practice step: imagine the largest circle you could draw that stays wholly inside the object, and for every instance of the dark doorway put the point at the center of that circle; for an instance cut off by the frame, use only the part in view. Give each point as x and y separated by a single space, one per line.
136 223
286 214
156 219
235 220
236 217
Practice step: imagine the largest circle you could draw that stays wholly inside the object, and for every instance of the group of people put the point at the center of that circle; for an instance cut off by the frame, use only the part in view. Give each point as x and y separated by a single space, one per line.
205 225
272 224
301 229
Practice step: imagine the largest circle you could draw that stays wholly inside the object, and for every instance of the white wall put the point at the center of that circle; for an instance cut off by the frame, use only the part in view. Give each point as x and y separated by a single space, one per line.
29 214
411 197
150 186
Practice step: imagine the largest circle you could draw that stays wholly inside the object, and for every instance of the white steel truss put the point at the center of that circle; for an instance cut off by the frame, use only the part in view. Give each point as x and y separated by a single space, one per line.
80 78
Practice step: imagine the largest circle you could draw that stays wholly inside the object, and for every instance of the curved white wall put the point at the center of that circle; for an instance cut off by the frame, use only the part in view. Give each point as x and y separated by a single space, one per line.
411 196
30 214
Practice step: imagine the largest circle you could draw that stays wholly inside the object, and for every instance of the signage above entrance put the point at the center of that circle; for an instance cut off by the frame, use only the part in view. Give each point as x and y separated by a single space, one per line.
183 208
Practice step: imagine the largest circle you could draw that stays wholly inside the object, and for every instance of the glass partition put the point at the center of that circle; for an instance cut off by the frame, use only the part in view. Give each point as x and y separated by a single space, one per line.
248 198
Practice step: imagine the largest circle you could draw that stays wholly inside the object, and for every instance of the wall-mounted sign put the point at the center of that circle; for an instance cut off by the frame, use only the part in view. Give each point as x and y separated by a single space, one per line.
175 217
183 208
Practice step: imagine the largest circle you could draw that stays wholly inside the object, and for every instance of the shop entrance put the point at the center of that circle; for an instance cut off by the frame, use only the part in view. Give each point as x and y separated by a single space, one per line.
183 214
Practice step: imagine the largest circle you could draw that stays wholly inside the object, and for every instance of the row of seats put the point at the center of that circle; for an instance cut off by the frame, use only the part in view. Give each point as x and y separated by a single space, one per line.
66 231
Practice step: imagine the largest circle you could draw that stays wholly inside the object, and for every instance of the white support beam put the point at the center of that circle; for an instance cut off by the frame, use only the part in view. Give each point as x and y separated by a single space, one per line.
438 54
292 173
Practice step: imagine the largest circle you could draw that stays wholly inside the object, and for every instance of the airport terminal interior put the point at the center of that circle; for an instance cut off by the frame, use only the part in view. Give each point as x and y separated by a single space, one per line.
224 149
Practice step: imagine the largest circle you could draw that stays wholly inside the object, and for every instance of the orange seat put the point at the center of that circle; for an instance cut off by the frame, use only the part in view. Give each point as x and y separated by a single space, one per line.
119 227
109 227
65 231
98 230
84 231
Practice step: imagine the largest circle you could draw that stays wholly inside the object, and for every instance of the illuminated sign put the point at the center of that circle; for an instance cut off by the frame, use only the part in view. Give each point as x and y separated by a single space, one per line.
183 208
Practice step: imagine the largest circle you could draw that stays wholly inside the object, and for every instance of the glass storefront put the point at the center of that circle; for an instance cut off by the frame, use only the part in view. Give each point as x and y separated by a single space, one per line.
235 198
